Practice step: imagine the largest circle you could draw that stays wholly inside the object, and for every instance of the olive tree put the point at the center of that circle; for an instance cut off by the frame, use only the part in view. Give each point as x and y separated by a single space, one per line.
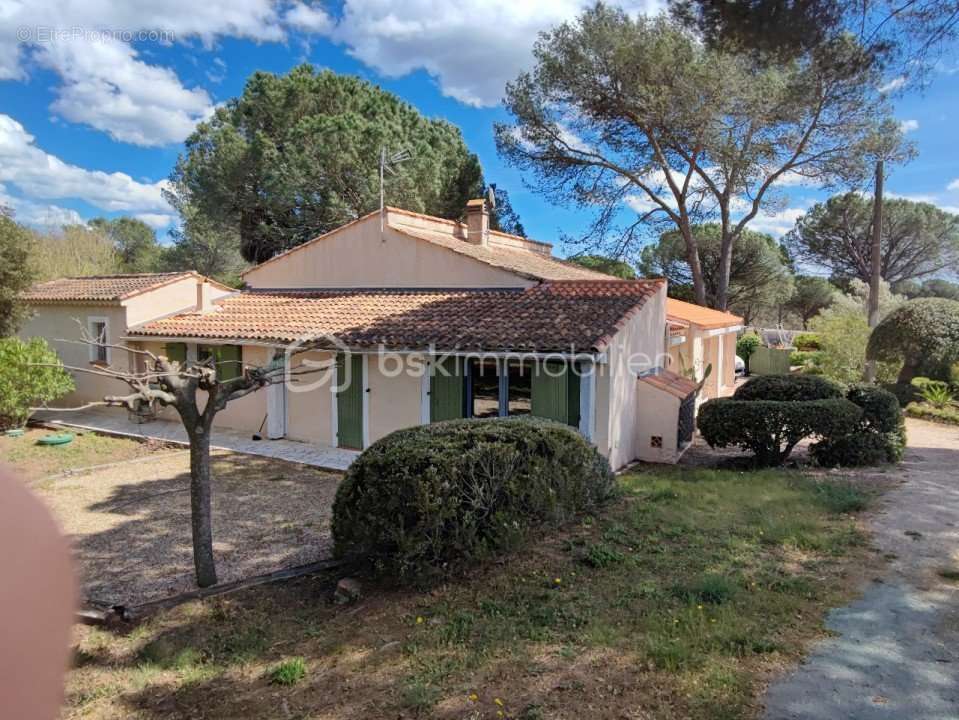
197 393
623 113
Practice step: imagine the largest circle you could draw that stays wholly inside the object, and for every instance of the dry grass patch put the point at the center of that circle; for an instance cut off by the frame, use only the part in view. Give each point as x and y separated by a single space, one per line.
677 601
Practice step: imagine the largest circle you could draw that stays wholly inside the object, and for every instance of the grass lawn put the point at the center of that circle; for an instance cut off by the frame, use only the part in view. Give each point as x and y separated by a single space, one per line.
677 601
32 461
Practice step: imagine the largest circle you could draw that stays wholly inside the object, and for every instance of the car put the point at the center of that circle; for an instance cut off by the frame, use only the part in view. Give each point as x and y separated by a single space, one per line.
740 366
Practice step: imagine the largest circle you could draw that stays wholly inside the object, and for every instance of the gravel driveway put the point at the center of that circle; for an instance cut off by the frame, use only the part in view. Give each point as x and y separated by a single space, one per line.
130 523
896 649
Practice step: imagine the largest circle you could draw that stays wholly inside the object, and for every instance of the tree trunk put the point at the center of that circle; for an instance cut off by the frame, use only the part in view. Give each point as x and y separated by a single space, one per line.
725 267
875 273
695 265
200 493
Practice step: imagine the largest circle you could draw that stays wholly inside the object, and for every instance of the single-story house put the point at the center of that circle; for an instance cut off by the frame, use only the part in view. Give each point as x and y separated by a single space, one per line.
700 337
406 319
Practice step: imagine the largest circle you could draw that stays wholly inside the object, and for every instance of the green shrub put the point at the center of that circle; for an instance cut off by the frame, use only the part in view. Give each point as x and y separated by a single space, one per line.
948 415
425 500
807 342
709 588
880 436
770 429
30 375
922 334
288 672
905 392
935 393
843 335
808 359
788 388
746 345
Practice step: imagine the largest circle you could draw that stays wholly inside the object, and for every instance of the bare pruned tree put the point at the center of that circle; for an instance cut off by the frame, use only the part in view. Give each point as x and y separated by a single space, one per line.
197 393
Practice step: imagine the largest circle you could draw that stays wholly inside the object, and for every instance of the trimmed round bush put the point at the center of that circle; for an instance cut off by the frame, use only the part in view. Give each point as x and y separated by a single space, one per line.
880 436
425 501
788 388
770 429
922 334
746 345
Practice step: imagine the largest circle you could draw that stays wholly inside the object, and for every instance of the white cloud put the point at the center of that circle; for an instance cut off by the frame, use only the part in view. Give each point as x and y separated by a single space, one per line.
954 185
908 126
107 87
157 221
776 224
40 175
40 215
311 18
896 83
471 49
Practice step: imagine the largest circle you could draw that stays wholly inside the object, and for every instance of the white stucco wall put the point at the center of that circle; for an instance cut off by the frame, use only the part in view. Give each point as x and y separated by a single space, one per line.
657 415
359 255
640 345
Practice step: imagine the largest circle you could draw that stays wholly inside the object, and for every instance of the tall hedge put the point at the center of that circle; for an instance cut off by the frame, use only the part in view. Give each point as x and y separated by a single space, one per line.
879 437
923 334
427 500
788 388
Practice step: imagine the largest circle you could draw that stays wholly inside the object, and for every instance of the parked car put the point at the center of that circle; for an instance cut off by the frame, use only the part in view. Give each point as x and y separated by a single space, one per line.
740 366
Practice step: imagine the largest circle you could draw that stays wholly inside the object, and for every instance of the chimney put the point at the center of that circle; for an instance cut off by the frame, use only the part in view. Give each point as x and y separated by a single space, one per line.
477 222
203 300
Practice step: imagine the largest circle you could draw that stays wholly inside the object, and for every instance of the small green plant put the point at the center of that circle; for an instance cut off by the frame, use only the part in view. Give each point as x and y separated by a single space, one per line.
710 588
841 497
746 345
601 555
288 672
806 342
937 394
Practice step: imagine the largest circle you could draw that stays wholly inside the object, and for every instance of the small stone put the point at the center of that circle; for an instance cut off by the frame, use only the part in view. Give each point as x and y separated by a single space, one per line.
347 591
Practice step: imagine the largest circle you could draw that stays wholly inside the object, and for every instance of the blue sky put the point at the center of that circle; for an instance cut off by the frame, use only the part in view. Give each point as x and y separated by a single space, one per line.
94 104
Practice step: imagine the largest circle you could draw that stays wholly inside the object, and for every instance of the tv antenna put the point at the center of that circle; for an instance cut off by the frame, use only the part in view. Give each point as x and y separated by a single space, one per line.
387 165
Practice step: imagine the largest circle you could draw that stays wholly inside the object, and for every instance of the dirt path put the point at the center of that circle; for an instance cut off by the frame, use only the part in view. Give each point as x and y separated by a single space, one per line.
896 649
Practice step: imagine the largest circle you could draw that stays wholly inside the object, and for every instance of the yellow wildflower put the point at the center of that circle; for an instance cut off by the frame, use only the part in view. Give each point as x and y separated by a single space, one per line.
419 620
473 697
498 702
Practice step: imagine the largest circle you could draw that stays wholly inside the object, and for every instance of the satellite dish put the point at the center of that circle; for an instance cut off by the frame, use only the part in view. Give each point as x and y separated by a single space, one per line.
491 197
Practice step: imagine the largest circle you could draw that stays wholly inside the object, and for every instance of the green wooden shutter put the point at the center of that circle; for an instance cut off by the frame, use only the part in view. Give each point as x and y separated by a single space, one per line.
229 361
349 401
447 390
175 351
556 393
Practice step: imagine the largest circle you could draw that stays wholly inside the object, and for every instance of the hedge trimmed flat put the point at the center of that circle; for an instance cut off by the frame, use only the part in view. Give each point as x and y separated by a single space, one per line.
56 439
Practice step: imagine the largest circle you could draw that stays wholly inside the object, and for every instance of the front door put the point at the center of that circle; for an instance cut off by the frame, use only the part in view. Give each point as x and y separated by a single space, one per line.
349 401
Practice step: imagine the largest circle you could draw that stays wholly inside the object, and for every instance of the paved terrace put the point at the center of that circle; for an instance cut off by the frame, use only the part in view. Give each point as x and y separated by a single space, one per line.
116 422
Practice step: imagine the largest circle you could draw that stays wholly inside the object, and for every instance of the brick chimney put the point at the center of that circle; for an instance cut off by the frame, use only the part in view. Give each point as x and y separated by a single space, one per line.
477 222
203 301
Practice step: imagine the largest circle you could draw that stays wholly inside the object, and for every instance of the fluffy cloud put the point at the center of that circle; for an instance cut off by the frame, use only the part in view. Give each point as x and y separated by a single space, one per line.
107 87
908 126
40 175
897 83
776 224
39 214
471 49
954 185
311 18
104 82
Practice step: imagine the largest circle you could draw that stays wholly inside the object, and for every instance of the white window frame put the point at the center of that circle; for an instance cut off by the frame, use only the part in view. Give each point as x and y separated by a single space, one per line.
94 349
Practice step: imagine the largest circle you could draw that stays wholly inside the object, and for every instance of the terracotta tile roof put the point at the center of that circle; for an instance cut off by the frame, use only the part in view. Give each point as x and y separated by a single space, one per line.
698 315
670 382
677 327
101 288
550 317
534 266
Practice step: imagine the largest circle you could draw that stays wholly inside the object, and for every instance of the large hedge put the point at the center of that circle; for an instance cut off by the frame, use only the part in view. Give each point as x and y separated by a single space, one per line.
428 500
770 429
923 334
880 436
788 388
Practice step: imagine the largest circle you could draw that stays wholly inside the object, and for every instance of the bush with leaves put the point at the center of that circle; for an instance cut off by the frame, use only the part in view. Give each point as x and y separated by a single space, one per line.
806 342
746 345
770 429
30 375
879 438
788 388
921 334
425 501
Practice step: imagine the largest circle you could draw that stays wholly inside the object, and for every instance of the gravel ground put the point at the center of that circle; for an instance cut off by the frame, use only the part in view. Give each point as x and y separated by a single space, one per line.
895 653
130 523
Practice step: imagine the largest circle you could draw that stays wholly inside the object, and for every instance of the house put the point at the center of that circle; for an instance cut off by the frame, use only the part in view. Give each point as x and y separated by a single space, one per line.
700 337
403 319
106 307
